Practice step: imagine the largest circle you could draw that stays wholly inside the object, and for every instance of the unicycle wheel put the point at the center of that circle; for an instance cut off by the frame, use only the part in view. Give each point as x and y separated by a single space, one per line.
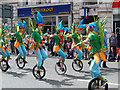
77 65
39 74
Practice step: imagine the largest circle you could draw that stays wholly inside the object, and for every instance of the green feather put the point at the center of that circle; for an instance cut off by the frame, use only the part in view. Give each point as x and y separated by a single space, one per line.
0 32
31 25
17 27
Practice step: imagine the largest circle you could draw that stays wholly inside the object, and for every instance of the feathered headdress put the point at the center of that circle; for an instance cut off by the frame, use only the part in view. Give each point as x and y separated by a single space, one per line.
5 29
81 25
60 26
92 25
21 25
38 17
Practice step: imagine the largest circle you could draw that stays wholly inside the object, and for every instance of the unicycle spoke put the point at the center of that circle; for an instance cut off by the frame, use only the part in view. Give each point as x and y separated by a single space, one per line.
39 74
60 68
96 83
21 63
77 65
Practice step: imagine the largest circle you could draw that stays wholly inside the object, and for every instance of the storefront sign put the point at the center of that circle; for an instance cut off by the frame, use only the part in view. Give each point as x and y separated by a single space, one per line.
44 10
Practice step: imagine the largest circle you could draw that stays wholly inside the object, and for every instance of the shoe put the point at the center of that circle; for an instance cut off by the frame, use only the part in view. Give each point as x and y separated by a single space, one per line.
25 61
16 60
75 61
38 72
89 62
9 66
105 66
62 69
104 83
58 63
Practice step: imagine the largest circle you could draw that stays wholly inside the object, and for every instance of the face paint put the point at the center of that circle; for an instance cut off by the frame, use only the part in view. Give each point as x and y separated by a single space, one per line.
21 30
79 31
61 33
39 27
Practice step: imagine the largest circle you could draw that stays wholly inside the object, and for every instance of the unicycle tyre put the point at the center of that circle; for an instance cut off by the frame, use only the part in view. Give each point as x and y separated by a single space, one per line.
96 83
20 63
40 74
77 67
61 68
4 65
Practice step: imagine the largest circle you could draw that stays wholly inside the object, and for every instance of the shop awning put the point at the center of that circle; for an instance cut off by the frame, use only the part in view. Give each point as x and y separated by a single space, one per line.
116 4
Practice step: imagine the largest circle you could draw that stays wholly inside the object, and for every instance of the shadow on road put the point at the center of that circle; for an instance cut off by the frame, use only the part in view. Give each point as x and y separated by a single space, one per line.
109 70
15 74
76 77
58 83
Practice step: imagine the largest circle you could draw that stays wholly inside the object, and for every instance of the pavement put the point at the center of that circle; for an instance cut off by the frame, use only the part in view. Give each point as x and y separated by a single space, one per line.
23 78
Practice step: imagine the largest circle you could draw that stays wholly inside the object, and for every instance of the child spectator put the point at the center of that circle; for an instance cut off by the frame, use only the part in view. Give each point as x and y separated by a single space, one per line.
111 55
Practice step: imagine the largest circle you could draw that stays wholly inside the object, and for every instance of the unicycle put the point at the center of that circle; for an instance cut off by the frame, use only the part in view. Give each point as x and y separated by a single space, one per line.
97 83
60 68
4 65
77 65
21 63
39 74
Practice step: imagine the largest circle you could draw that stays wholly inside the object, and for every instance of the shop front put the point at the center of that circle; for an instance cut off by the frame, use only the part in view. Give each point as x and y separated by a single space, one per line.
52 15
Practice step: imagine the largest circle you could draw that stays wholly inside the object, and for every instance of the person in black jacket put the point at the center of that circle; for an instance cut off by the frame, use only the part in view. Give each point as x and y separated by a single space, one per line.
12 44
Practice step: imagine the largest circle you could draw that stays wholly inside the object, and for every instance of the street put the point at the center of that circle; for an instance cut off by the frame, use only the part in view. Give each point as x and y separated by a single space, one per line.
23 78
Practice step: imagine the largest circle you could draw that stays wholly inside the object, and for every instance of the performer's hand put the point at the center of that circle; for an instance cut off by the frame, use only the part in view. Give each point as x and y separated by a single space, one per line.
3 46
39 44
73 47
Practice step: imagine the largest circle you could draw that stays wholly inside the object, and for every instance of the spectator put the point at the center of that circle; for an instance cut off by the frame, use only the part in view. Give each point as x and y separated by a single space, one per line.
48 31
52 42
12 44
113 43
105 45
69 42
111 55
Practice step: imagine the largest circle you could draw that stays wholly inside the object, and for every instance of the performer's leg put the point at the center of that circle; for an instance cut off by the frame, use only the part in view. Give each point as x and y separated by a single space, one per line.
79 53
24 51
43 53
20 51
94 70
39 57
8 54
4 55
61 53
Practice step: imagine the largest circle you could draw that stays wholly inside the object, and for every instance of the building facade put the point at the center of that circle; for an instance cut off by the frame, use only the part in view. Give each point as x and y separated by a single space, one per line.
69 10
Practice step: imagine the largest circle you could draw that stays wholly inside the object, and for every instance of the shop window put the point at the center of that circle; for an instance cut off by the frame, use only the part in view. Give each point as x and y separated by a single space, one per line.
49 22
65 20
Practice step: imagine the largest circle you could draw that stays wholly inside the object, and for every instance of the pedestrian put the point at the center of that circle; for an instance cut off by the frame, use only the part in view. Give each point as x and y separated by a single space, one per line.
105 45
111 55
113 43
48 31
12 44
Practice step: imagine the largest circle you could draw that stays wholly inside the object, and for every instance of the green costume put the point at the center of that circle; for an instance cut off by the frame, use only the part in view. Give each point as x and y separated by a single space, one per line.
94 42
57 40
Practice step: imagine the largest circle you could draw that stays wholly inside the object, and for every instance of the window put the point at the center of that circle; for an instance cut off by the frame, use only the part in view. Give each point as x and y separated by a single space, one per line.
26 2
65 20
90 3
